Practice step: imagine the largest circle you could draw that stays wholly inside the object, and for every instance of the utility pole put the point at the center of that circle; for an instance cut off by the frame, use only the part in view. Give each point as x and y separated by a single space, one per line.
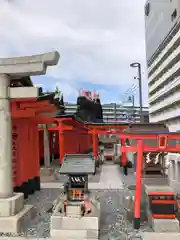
133 105
133 101
138 65
115 113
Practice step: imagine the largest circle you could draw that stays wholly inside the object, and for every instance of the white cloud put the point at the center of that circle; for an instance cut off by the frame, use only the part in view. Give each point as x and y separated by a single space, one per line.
97 40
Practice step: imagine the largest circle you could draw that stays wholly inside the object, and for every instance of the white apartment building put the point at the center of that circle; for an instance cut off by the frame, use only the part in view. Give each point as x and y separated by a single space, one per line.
162 31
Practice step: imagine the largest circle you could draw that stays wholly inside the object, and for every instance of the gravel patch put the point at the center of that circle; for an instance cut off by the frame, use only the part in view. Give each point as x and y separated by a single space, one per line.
113 221
113 224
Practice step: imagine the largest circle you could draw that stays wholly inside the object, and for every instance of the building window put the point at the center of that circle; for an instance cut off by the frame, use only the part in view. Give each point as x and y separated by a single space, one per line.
146 119
174 15
147 9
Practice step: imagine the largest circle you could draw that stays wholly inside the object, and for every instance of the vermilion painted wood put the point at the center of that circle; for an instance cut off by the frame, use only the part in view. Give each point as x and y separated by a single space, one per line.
26 115
138 192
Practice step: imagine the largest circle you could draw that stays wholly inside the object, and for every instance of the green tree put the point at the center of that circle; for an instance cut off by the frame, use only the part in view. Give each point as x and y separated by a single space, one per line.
57 92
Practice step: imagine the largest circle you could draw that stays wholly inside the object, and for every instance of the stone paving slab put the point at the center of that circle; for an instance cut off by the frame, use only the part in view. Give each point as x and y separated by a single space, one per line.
21 238
158 236
111 177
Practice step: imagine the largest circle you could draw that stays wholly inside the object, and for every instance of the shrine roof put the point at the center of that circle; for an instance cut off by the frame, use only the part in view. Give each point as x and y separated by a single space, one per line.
69 116
129 131
51 98
147 128
65 116
78 119
108 123
131 125
78 164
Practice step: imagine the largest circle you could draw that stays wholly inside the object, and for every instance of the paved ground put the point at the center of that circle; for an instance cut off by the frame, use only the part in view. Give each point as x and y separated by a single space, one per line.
159 236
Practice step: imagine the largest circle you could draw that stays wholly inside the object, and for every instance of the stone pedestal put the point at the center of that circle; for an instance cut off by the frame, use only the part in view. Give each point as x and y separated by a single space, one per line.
164 225
5 139
47 162
101 156
75 227
14 214
117 159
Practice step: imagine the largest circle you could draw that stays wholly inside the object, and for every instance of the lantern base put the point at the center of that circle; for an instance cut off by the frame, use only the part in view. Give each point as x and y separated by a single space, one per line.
165 225
137 223
74 226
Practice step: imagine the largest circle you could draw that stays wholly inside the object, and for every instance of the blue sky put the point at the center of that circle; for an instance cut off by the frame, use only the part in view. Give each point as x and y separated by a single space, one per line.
97 40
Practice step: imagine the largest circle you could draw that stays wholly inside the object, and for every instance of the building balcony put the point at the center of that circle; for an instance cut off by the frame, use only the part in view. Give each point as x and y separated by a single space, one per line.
165 102
165 115
165 63
163 79
108 112
164 51
164 91
69 111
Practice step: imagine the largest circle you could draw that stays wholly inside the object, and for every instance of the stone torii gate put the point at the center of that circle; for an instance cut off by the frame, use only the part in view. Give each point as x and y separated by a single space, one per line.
12 208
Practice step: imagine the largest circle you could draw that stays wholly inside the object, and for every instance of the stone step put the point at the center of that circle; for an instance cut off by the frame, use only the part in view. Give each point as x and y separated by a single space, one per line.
165 225
72 223
74 234
158 236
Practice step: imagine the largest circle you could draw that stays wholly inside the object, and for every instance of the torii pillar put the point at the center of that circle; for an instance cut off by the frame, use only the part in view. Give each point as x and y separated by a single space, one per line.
47 161
12 208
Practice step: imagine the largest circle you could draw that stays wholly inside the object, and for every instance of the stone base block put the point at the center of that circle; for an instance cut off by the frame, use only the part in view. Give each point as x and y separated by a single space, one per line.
117 160
165 225
86 227
75 234
17 223
159 236
72 223
73 211
11 206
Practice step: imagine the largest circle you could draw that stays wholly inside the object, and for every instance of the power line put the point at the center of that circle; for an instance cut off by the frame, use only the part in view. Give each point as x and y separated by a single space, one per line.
129 91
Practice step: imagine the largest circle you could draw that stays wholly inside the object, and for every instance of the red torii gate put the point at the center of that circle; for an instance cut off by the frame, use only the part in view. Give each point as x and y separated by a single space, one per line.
110 128
68 123
26 115
139 148
63 123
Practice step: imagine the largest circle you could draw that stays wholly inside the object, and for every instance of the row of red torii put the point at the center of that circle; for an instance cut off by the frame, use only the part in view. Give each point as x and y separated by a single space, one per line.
68 123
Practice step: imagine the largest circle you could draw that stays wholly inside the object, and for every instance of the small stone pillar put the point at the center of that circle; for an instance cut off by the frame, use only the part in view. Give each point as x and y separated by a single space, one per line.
47 162
5 139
